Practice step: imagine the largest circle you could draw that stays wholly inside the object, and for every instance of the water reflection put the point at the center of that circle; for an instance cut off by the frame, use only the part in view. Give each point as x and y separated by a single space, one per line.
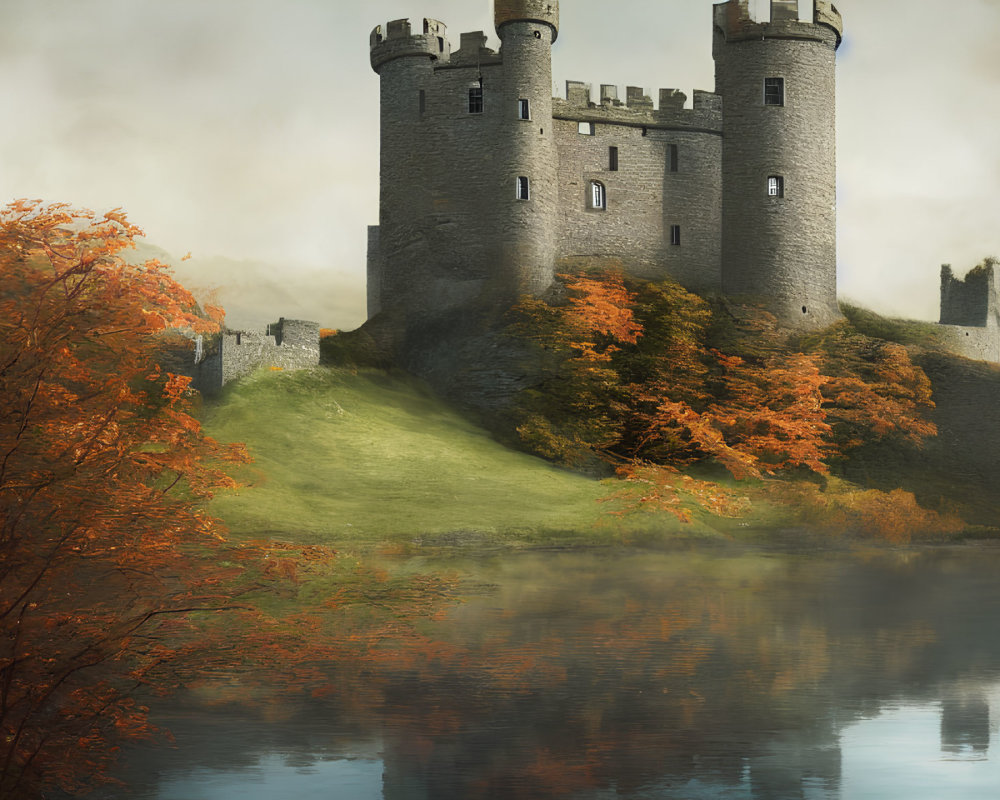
641 675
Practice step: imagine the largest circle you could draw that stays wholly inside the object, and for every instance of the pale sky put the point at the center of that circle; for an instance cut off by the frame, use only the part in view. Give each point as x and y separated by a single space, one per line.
246 131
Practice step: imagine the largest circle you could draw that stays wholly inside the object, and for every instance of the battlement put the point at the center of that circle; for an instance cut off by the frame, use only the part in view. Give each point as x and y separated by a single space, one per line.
734 21
397 40
545 12
473 51
638 108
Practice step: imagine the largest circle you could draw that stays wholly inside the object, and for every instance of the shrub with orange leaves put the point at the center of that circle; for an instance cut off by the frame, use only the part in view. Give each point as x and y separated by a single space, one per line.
647 377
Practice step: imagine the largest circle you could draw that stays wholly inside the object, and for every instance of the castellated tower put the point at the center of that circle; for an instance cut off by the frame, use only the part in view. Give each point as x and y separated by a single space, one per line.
468 198
528 227
405 60
777 82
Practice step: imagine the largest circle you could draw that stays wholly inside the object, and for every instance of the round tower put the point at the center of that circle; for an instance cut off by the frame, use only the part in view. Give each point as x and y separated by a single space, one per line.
404 58
779 223
526 158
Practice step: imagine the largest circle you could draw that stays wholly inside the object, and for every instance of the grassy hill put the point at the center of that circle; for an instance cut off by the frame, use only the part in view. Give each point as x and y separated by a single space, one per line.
362 456
354 456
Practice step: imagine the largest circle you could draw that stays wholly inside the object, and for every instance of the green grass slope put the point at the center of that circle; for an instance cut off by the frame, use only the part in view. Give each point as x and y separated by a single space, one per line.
365 457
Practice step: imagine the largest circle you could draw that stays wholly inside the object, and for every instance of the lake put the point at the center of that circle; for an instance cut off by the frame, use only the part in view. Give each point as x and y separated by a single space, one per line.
703 673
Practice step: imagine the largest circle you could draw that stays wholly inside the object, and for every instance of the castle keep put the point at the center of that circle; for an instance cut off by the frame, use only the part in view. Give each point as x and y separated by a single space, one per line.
488 182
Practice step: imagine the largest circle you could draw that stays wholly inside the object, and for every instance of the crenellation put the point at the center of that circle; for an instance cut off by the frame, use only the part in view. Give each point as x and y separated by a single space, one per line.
609 94
672 99
636 97
578 93
397 40
472 50
706 116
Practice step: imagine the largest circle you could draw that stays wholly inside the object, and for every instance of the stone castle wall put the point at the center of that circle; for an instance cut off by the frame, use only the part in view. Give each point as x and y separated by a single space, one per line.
652 189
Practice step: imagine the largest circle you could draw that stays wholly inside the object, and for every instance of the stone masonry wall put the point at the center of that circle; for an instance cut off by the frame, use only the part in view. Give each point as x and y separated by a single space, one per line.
970 300
978 343
970 312
645 197
286 345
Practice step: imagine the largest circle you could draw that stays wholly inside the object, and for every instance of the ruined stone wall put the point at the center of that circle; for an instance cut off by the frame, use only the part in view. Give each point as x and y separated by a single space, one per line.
652 189
781 250
288 344
970 300
970 312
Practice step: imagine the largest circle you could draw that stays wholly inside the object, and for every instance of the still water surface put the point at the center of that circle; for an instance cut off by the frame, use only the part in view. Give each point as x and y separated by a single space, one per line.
639 675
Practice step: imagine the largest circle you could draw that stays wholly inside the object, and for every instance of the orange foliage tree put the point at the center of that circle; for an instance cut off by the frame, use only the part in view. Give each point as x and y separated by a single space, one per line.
645 376
101 463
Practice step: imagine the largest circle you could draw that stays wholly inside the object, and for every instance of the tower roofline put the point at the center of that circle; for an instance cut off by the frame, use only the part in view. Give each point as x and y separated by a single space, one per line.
732 19
397 40
544 12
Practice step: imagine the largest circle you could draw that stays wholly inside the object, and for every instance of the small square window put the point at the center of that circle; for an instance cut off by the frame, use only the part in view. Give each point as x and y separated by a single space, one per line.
523 109
476 100
774 91
613 159
672 161
586 128
675 234
523 188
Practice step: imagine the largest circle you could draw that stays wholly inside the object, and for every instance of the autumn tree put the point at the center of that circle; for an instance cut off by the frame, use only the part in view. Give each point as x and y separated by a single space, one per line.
652 379
101 462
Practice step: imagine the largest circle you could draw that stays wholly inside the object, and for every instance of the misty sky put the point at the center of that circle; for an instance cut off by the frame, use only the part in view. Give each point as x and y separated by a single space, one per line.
246 131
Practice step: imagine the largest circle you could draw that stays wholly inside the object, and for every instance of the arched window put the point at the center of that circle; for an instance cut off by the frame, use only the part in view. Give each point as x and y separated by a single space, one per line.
598 196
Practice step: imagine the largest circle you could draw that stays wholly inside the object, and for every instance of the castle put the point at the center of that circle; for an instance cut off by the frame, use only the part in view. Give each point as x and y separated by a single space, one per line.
488 183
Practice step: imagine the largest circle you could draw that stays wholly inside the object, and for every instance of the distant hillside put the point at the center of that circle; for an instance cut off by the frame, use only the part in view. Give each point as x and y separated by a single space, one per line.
255 293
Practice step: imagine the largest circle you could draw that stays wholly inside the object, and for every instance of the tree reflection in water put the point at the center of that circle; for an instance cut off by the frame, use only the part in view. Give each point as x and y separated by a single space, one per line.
637 675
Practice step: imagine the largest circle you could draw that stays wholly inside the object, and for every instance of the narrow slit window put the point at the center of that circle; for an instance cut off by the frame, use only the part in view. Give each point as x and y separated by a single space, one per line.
613 159
774 91
423 101
523 109
598 196
776 186
440 44
476 100
523 188
586 128
675 234
672 157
